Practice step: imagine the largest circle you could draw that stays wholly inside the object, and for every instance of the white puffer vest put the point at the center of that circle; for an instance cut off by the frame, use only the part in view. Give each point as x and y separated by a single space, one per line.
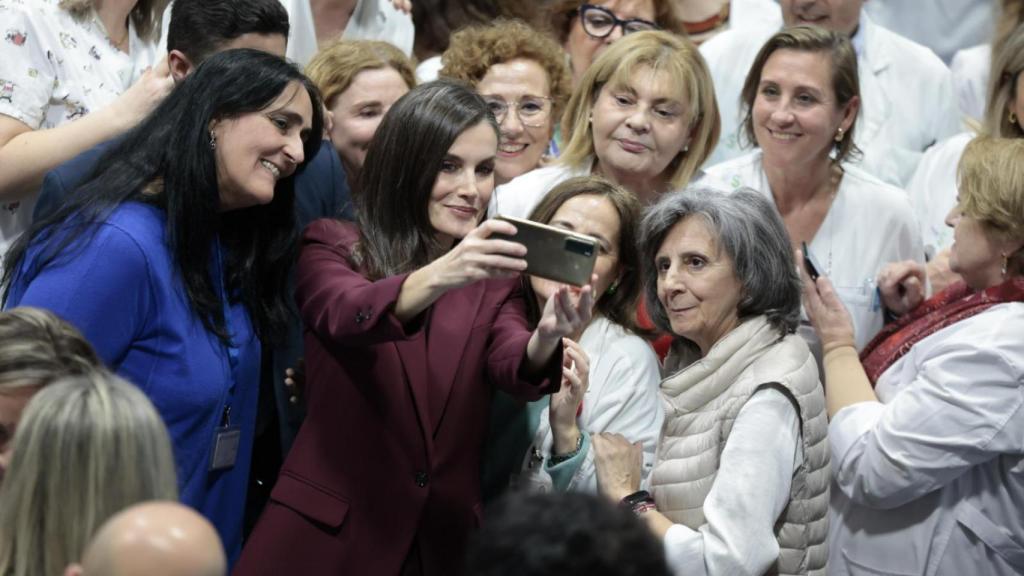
701 402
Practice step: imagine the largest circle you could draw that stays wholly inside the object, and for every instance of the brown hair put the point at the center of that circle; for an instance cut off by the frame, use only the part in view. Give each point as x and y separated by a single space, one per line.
559 15
663 52
474 49
991 185
619 305
845 81
1007 64
336 65
146 15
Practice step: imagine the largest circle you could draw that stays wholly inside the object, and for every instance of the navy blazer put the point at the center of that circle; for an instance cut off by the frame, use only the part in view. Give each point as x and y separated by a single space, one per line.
321 191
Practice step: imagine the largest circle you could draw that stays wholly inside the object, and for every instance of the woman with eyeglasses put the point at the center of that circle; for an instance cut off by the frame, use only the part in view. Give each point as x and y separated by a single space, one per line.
585 29
522 76
644 116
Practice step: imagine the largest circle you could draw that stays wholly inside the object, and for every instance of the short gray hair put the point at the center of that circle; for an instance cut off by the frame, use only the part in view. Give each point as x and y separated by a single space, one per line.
748 227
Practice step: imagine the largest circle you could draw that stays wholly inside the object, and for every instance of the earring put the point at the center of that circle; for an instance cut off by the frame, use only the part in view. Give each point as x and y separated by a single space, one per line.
1006 262
686 149
611 289
213 140
1012 117
839 135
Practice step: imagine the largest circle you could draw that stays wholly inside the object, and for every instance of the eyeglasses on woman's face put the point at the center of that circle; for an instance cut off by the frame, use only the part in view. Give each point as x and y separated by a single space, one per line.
532 111
598 22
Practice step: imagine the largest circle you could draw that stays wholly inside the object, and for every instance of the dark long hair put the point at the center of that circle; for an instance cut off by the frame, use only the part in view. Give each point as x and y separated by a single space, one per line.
167 161
398 175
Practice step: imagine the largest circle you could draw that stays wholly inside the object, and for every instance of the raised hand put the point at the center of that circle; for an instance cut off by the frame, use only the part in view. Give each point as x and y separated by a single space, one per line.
565 403
826 312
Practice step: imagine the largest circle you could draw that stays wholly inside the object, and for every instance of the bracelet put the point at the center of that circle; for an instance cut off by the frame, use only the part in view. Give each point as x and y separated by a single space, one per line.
638 502
556 459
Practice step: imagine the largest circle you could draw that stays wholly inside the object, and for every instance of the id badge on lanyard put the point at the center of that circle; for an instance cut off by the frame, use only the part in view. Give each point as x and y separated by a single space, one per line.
226 438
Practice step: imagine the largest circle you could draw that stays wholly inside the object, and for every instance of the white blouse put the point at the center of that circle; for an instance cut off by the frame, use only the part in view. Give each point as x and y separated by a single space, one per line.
869 225
55 69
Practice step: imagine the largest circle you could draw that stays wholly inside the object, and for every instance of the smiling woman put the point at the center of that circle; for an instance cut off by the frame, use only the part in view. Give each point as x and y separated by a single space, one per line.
172 260
523 77
412 317
644 116
801 101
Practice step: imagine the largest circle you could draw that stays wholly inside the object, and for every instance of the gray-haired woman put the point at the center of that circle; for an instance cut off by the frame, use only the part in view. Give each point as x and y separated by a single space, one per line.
741 476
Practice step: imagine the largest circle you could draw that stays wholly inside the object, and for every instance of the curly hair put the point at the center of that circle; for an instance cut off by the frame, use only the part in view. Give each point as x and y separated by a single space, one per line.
474 49
336 65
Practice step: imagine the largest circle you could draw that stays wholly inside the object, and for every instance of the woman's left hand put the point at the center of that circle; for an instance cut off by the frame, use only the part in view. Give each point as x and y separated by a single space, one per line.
619 464
565 403
826 312
567 312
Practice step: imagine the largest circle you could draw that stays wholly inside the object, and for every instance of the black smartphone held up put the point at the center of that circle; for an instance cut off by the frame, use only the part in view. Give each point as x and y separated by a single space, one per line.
554 253
812 267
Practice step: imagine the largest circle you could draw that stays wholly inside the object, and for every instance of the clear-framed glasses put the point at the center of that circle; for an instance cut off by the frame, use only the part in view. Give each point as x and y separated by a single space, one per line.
532 111
599 22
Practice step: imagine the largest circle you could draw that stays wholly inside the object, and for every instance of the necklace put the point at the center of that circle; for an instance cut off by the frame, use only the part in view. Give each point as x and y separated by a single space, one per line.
118 44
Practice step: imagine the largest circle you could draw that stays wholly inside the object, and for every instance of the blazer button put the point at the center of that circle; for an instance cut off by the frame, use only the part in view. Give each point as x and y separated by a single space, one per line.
359 317
421 479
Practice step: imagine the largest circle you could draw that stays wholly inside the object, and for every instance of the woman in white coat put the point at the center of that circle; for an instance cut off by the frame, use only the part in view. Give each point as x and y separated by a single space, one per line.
801 99
933 190
926 430
546 444
644 116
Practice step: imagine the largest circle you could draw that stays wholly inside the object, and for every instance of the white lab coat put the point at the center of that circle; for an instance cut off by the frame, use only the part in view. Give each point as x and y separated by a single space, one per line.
930 480
933 191
907 97
371 20
971 68
944 26
519 196
869 225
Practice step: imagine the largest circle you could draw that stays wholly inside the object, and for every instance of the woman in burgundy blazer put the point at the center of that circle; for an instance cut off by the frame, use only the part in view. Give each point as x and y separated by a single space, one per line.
411 317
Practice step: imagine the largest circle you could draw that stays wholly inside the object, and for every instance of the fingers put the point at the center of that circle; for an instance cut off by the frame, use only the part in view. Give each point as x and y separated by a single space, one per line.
493 226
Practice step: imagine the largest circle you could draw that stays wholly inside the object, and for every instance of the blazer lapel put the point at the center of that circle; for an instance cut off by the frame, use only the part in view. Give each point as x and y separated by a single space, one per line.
447 336
413 355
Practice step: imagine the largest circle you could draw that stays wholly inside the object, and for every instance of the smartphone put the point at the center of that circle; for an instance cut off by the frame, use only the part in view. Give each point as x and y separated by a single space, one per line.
554 253
812 267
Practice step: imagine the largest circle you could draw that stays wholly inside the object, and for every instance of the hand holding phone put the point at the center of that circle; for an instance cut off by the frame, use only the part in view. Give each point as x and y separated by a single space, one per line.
553 253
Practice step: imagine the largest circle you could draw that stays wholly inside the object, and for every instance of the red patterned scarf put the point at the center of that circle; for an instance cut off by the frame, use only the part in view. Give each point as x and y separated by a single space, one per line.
946 308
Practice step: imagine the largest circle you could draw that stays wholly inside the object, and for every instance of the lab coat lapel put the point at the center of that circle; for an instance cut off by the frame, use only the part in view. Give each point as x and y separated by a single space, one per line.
875 107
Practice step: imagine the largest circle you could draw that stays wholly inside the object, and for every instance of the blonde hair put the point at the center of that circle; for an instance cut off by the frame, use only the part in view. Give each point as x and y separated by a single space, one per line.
87 447
146 15
337 64
991 186
474 49
37 347
662 52
1007 64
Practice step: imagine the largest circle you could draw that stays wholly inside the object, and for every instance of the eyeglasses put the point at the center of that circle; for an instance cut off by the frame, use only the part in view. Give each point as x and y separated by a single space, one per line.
533 111
599 22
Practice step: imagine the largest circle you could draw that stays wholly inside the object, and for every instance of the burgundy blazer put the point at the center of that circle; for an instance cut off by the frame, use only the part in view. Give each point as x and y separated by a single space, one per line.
389 454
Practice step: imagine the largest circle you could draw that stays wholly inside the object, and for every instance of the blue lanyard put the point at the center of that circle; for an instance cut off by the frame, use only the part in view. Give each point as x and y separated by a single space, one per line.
232 350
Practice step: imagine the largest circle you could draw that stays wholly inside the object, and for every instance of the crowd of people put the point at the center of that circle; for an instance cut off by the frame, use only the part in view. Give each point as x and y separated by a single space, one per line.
265 311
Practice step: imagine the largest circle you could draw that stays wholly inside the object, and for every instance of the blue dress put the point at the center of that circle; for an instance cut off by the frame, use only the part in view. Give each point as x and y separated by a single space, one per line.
121 289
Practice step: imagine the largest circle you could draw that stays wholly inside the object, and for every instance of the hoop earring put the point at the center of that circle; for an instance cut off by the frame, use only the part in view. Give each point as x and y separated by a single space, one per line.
213 140
1012 117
